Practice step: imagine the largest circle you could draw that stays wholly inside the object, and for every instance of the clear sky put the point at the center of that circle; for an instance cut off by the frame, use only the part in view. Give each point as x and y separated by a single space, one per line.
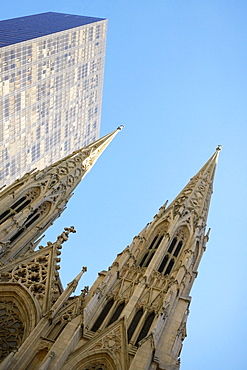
176 77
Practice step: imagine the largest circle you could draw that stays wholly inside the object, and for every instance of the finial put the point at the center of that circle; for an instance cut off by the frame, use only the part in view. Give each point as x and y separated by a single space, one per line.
84 291
120 127
219 147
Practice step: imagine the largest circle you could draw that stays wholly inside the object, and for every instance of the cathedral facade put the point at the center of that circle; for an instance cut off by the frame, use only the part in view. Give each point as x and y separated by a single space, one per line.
134 316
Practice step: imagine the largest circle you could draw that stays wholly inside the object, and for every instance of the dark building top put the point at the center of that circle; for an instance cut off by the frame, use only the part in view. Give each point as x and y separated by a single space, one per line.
26 28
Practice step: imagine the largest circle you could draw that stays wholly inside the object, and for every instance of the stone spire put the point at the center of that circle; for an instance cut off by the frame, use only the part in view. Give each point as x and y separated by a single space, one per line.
195 196
135 314
31 204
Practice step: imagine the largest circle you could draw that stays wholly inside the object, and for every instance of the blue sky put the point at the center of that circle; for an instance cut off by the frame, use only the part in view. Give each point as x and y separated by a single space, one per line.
176 77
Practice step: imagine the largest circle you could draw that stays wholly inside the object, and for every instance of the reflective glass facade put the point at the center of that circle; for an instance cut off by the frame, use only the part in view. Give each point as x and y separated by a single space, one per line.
50 89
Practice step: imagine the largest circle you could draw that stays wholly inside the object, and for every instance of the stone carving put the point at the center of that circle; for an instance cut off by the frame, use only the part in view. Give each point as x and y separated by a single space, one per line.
44 343
4 248
11 328
127 293
99 292
152 298
84 292
129 277
157 303
182 331
194 194
158 280
132 274
69 310
65 235
111 341
33 275
96 366
182 233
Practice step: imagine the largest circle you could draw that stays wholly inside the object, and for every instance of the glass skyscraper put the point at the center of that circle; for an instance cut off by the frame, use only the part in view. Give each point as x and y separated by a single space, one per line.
51 78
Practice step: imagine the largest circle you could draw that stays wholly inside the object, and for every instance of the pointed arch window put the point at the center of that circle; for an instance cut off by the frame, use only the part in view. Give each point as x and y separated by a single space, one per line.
103 315
146 326
20 204
116 313
42 210
151 250
169 267
171 256
135 321
172 245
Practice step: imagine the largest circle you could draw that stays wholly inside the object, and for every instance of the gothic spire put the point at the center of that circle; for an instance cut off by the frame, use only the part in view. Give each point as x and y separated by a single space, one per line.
31 204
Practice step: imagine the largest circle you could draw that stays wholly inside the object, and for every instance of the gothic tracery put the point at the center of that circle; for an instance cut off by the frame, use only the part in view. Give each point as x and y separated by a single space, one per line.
11 328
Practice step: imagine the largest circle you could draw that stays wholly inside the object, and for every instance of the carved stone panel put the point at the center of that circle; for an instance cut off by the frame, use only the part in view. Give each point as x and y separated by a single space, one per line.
11 328
96 366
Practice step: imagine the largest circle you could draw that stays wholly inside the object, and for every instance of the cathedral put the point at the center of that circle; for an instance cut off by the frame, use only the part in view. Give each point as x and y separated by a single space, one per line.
134 316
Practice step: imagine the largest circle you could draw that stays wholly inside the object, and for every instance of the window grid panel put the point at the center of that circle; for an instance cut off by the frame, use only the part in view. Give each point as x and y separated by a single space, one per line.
40 79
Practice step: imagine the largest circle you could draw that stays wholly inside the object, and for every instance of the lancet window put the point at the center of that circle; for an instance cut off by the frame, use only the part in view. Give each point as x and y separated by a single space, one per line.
20 204
173 251
146 326
103 315
134 323
42 210
116 313
151 250
109 308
